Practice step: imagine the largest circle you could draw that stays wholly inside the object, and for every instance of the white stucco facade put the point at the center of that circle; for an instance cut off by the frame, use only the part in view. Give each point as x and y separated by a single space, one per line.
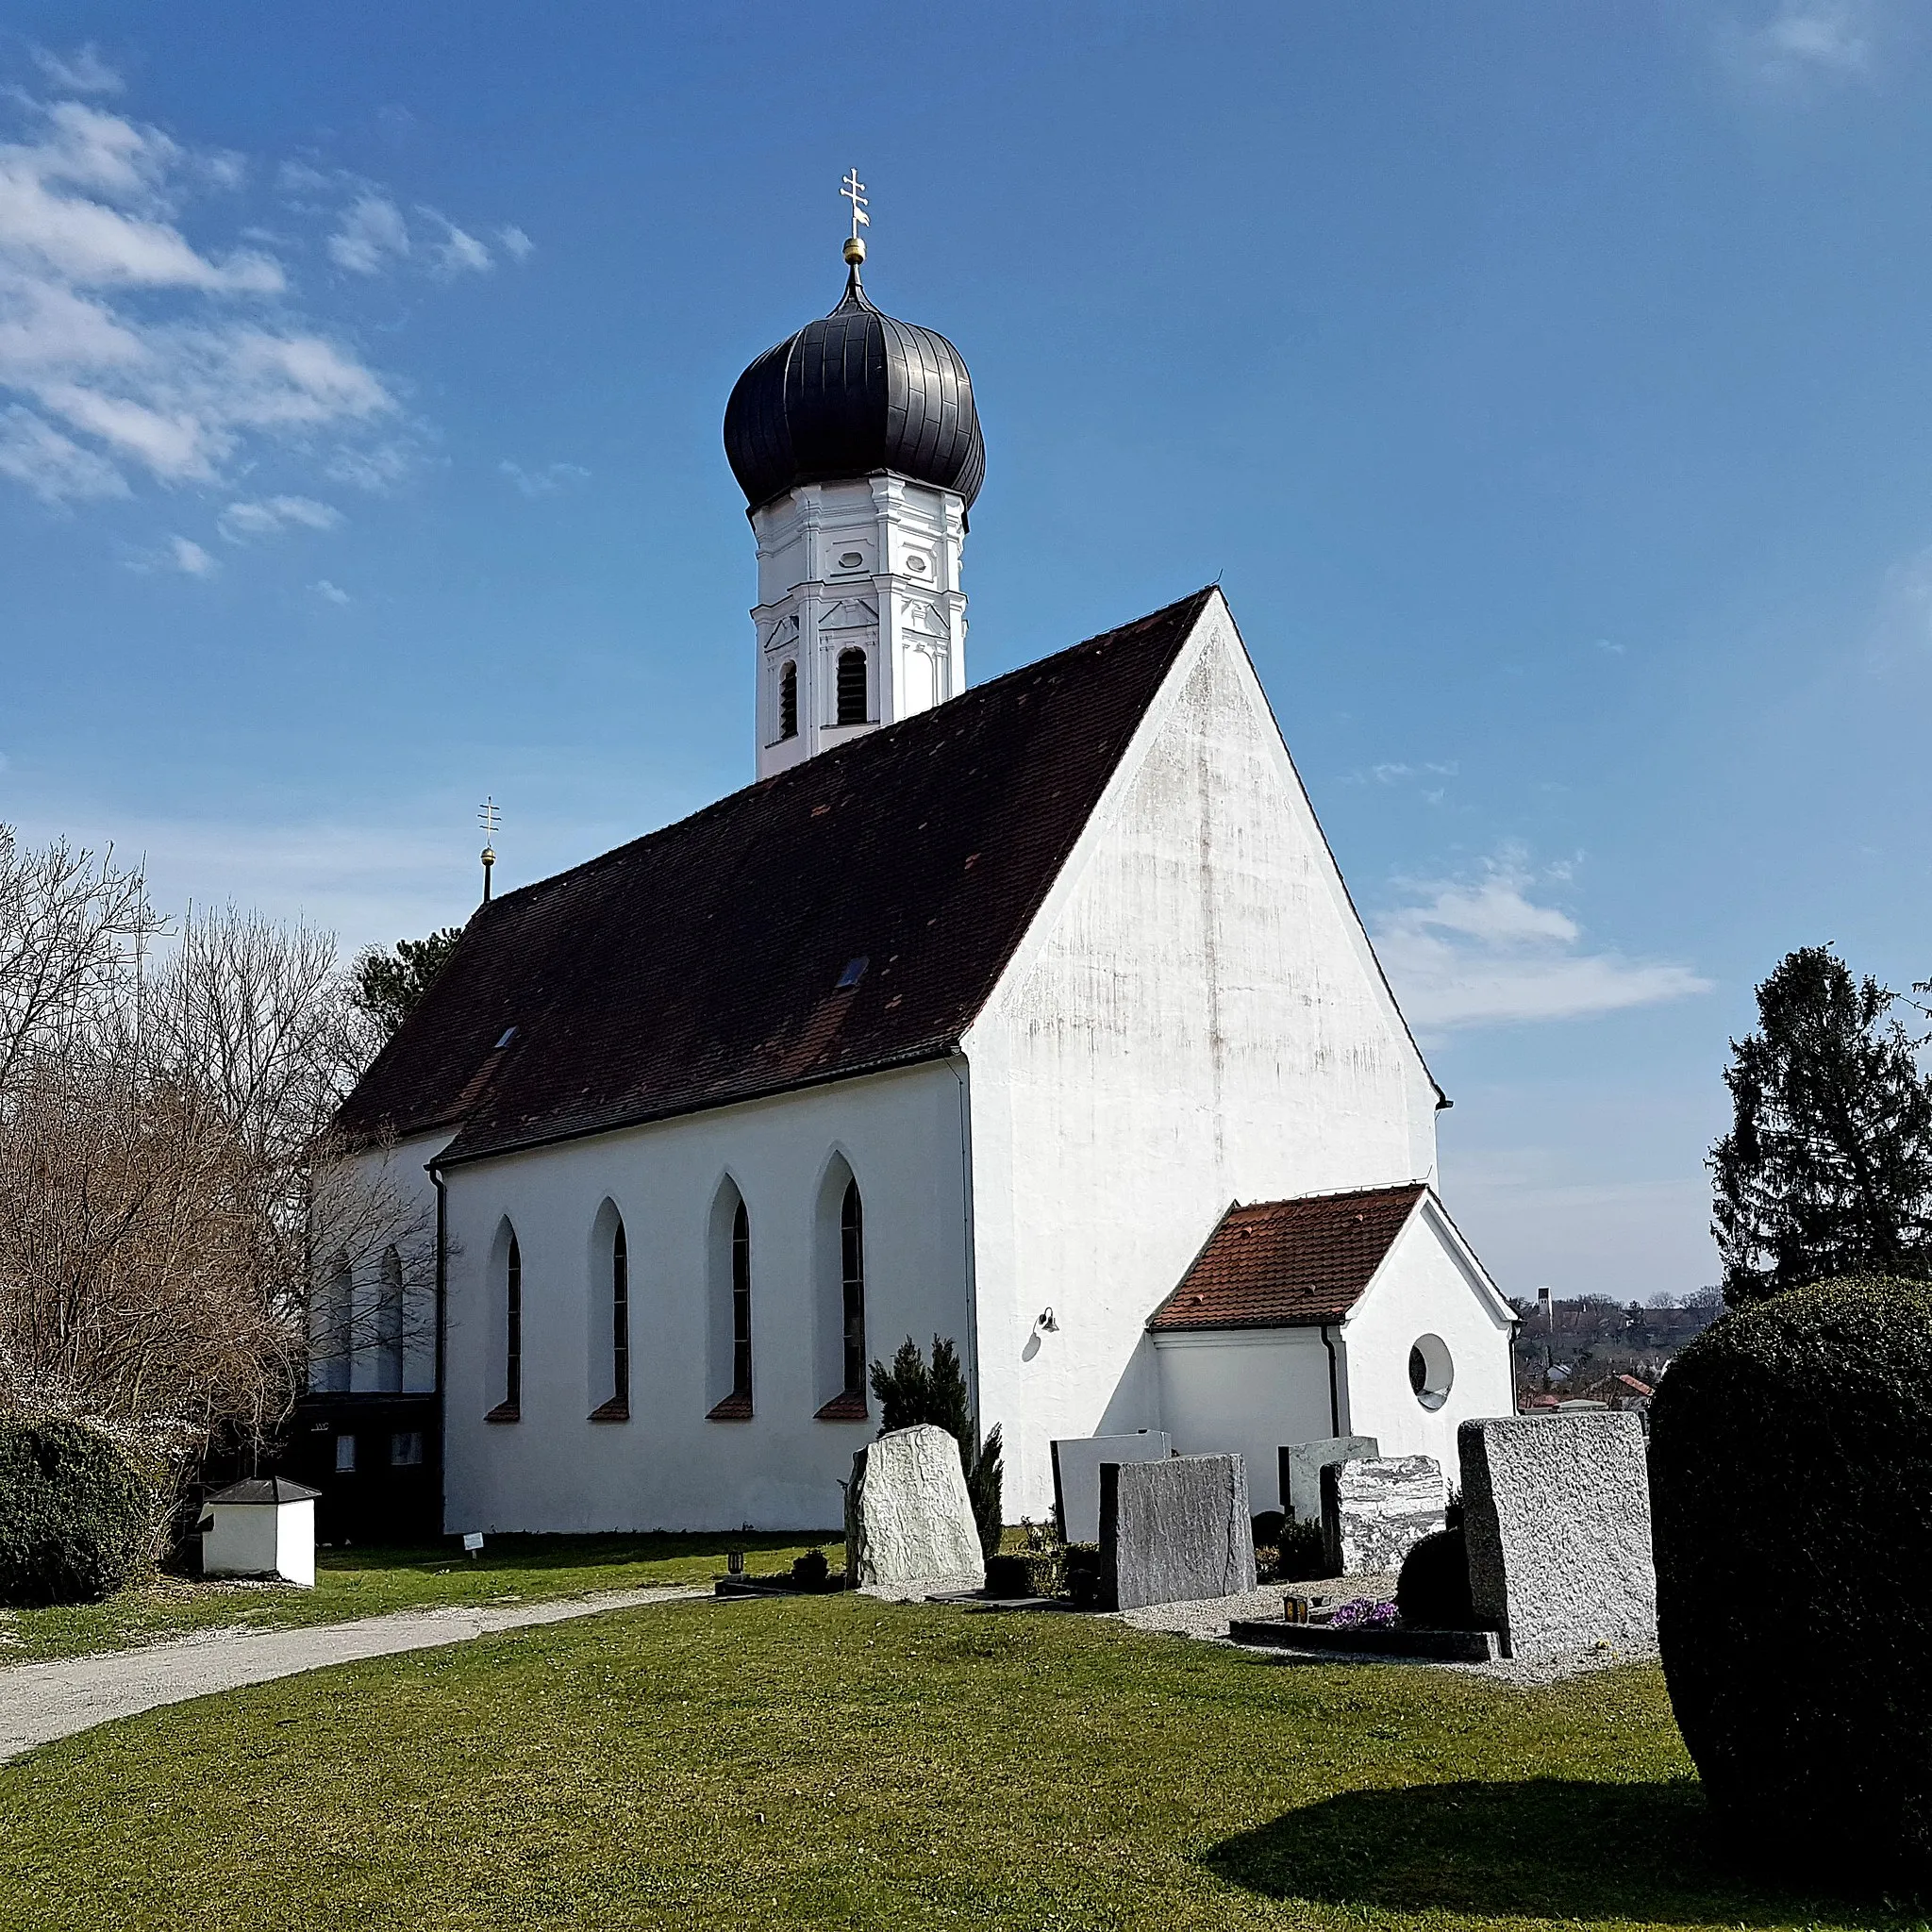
1196 1017
900 1135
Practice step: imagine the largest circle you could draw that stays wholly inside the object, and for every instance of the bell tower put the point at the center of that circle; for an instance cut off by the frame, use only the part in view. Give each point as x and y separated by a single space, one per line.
858 447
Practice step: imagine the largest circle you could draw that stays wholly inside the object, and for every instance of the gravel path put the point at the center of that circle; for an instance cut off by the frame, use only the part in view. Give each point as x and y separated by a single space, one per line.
41 1702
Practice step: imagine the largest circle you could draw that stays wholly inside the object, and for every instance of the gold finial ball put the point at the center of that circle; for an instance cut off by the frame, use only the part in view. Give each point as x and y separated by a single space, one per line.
855 251
488 857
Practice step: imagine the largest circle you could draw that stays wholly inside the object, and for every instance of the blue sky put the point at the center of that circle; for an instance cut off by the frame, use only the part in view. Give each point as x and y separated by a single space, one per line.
1548 389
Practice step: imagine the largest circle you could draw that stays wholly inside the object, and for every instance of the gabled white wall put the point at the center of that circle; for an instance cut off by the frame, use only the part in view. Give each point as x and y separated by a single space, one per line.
1245 1392
667 1467
1429 1284
1195 1017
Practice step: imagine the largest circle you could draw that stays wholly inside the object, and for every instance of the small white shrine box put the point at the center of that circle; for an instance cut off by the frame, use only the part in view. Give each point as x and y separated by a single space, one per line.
262 1527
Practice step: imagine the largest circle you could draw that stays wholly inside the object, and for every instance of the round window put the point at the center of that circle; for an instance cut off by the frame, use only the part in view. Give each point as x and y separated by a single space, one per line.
851 560
1431 1374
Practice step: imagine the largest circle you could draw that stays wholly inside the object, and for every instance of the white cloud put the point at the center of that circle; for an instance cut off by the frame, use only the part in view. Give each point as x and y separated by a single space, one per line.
1802 39
458 254
372 234
267 515
515 244
124 347
82 71
1400 773
190 559
547 482
328 593
1484 953
380 469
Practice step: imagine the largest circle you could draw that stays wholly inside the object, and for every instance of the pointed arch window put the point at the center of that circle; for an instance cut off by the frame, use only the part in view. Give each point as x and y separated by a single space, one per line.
736 1406
510 1409
788 700
851 1270
615 1408
331 1326
838 1289
851 708
388 1326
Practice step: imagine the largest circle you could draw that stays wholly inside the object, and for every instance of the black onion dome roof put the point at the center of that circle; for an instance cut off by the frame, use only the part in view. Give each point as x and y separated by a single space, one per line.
850 395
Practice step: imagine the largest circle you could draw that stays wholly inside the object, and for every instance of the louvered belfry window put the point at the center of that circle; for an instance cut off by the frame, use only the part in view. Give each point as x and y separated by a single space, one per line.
852 687
788 701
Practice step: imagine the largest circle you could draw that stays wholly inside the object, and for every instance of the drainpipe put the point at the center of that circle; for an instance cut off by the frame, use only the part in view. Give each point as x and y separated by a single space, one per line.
1334 1384
442 1333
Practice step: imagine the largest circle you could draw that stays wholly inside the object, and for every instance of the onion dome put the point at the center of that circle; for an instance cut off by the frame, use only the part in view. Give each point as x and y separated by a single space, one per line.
854 394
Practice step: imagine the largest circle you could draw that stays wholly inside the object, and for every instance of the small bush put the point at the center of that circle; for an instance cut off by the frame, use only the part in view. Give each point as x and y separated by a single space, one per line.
1432 1592
1083 1573
1791 1458
1299 1556
76 1513
811 1570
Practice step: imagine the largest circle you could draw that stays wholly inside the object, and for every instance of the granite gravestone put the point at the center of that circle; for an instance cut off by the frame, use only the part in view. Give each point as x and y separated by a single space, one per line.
908 1519
1177 1531
1375 1511
1556 1512
1076 1477
1302 1464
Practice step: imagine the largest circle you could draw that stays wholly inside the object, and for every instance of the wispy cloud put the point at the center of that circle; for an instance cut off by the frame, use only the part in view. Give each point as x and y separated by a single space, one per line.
1399 774
190 559
547 482
129 351
80 72
1484 952
515 244
328 593
268 515
1803 39
372 234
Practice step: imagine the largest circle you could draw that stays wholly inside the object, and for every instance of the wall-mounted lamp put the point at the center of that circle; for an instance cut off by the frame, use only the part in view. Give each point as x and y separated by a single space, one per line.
1048 1322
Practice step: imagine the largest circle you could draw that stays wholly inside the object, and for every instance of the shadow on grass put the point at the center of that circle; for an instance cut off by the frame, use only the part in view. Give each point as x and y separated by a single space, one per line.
513 1551
1545 1848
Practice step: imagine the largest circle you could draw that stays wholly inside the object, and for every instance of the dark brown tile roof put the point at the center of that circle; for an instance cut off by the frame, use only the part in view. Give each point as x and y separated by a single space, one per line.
851 914
1288 1264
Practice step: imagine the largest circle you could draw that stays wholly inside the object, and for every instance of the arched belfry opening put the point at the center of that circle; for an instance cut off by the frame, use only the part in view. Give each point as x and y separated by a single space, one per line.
852 683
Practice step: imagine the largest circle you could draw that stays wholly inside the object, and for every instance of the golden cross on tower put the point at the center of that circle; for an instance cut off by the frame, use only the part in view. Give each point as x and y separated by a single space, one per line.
853 189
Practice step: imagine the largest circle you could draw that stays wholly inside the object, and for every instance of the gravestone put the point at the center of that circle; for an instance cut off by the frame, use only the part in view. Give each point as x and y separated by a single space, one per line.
1302 1464
1076 1477
1375 1511
1555 1511
1175 1531
908 1516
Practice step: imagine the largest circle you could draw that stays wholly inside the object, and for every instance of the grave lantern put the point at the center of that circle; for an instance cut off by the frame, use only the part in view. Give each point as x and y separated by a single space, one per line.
262 1527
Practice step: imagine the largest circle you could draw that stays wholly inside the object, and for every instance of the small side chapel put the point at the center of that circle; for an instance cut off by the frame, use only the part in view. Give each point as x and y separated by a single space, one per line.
1033 1013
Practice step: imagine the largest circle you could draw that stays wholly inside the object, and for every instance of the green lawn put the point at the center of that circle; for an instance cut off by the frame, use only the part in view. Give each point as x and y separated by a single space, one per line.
367 1582
838 1762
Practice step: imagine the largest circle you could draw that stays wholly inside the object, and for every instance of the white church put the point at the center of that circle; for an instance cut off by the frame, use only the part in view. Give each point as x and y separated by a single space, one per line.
1034 1014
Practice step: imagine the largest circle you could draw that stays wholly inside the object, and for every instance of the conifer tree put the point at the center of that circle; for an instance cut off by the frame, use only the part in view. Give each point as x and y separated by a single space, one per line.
387 986
1827 1169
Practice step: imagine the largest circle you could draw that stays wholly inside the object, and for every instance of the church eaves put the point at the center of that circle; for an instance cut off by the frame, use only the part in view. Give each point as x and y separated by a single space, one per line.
701 966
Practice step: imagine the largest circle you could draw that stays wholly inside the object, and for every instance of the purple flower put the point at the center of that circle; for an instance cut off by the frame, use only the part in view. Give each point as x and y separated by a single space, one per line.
1362 1613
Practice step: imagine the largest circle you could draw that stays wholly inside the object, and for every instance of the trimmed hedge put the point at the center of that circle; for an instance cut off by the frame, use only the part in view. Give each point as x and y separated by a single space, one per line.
76 1513
1791 1460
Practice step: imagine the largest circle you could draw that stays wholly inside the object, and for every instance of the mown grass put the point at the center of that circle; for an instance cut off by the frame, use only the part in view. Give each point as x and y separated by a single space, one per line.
368 1582
838 1762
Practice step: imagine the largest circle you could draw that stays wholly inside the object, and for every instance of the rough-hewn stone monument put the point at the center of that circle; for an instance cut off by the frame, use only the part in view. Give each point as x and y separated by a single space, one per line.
1556 1510
1175 1532
908 1519
1302 1464
1375 1511
1076 1477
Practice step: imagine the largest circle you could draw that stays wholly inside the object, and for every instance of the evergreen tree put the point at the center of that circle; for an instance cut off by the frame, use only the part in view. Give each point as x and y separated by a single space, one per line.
1827 1169
388 985
909 1392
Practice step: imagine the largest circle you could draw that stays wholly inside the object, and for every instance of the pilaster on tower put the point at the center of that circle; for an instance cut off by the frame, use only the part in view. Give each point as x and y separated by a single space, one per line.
858 447
860 619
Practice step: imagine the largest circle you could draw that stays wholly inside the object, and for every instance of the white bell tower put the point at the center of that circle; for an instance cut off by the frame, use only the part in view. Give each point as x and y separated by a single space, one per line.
860 619
857 445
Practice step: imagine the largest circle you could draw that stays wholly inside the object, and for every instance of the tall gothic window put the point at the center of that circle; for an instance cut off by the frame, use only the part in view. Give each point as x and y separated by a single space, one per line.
389 1311
741 1306
510 1409
851 1270
620 1320
788 700
852 687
